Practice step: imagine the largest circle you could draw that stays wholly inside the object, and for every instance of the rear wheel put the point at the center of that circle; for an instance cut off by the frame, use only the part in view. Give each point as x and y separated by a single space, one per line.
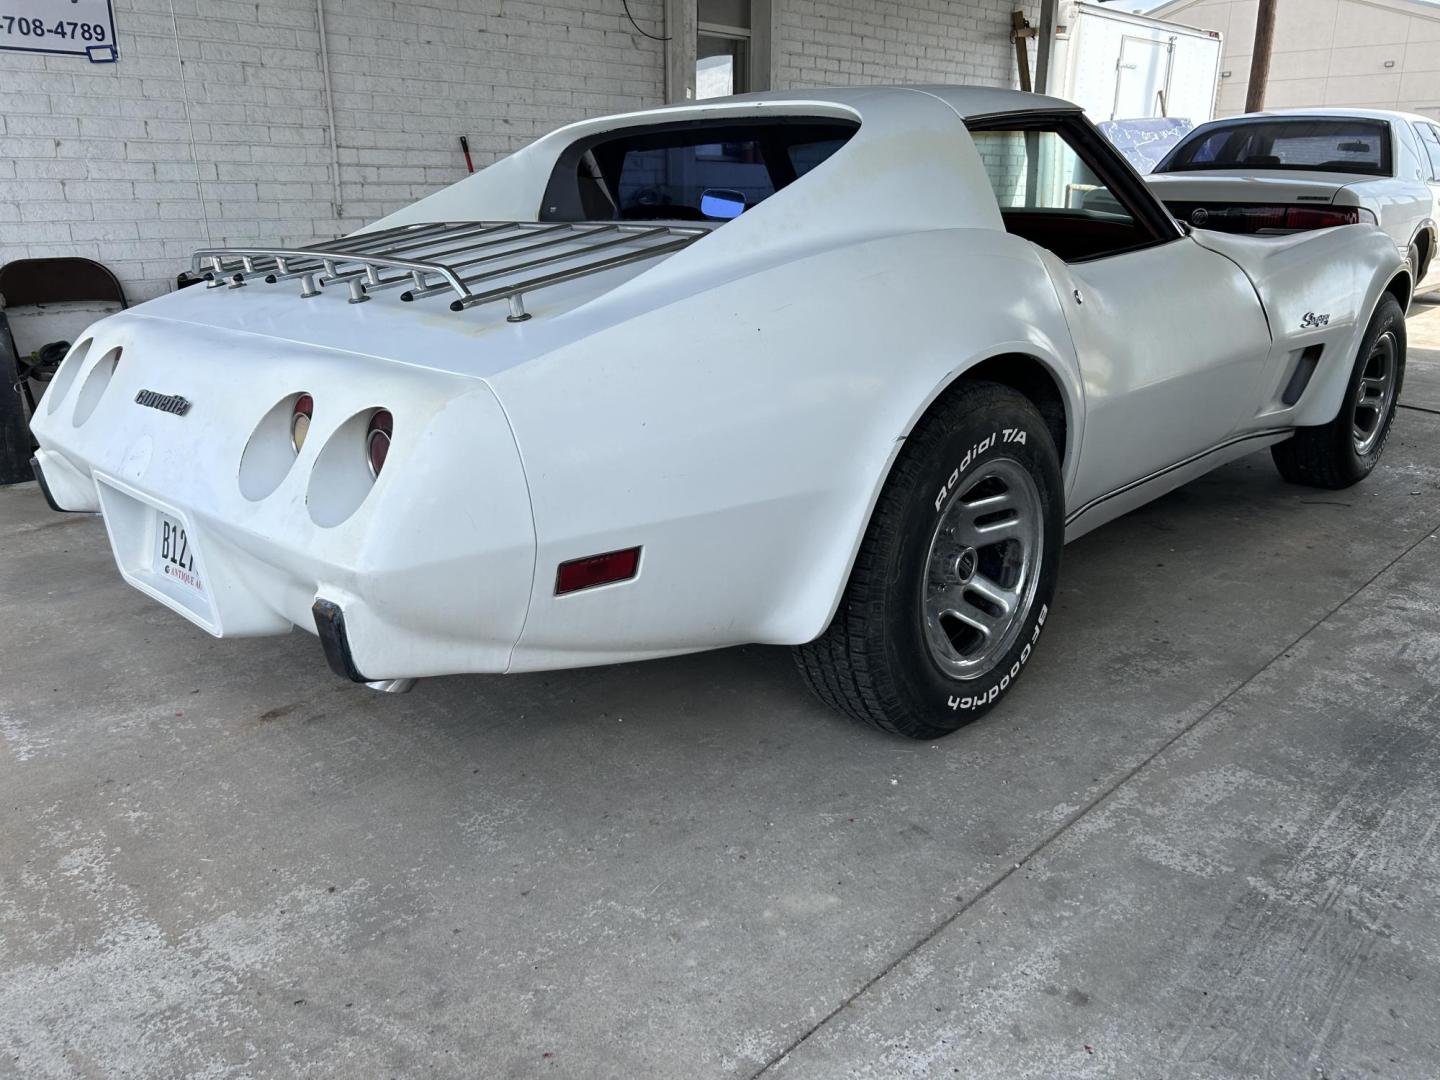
956 572
1342 452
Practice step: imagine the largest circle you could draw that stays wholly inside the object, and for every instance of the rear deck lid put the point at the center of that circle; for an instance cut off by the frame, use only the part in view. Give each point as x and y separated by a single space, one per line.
1254 186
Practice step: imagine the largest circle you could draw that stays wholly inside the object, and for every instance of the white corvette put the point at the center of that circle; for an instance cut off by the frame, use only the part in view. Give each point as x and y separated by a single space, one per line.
1299 169
841 370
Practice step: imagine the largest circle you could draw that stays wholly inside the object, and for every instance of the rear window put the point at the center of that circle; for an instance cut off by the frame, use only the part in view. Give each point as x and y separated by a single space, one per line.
689 171
1331 145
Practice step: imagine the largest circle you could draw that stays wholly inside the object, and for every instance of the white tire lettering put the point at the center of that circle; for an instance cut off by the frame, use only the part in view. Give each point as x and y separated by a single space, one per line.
1019 437
956 704
1009 435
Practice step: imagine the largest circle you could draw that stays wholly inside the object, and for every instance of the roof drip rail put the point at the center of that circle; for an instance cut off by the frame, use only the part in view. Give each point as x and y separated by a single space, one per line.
438 258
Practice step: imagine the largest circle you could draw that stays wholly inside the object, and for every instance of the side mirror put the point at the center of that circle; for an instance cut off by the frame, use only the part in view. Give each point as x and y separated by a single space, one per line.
722 203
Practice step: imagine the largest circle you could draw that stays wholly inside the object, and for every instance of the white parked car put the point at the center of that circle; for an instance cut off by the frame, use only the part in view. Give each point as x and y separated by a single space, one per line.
1291 170
840 370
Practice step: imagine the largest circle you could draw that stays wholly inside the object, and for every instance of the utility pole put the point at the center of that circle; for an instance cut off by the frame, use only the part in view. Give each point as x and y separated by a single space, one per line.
1260 56
1020 32
681 29
1045 39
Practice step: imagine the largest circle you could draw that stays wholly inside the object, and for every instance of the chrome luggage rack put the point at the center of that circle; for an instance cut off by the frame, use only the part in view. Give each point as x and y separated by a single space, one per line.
478 261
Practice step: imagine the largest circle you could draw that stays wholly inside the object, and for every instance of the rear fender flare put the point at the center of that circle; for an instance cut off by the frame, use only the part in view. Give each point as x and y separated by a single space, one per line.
1324 397
1063 371
1430 233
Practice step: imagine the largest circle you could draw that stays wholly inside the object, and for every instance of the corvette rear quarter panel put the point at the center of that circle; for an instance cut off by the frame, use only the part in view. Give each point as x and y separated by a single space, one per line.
1335 273
740 435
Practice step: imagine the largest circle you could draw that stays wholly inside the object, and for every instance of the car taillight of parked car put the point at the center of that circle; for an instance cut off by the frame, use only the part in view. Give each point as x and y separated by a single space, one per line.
1257 219
1307 217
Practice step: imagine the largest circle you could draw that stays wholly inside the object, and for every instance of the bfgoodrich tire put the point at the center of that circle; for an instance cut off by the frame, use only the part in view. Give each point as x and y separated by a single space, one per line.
1342 452
956 573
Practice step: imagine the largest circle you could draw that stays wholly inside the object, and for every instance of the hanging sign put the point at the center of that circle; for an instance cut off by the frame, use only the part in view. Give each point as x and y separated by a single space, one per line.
60 27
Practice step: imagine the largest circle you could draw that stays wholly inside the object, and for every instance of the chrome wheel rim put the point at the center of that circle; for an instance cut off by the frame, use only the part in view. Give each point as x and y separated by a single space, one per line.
1374 394
982 569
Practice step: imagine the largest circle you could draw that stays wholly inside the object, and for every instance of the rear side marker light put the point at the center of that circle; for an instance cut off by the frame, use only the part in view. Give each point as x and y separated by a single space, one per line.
377 440
300 419
596 570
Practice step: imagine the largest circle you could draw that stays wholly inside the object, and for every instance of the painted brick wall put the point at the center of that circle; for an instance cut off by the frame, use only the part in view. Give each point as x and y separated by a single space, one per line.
830 42
96 160
140 162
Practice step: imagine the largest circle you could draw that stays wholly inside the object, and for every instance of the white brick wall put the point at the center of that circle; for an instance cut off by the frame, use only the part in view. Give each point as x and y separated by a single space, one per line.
107 162
830 42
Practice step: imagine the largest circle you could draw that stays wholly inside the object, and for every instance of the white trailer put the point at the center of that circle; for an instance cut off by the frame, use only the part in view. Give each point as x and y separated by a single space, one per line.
1119 65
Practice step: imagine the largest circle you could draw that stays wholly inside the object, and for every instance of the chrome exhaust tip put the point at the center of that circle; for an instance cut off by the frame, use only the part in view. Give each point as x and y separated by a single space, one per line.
392 686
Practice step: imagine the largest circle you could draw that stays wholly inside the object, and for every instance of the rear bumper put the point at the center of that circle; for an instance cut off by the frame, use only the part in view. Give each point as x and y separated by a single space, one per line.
373 623
65 487
431 561
330 626
44 487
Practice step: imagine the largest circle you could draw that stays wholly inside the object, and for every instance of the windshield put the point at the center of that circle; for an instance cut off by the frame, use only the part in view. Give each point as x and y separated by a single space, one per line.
1340 145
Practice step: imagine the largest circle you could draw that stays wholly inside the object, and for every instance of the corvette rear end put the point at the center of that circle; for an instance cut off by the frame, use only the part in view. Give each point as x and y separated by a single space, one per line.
222 503
314 437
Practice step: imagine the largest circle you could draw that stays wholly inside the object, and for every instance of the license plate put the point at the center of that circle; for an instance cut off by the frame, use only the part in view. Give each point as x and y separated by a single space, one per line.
174 558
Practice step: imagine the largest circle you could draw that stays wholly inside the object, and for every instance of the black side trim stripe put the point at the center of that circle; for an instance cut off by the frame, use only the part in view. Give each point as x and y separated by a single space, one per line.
1158 473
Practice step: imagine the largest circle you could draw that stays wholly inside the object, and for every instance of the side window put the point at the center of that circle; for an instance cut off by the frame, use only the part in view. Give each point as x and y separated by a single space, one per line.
1051 194
1430 140
1038 170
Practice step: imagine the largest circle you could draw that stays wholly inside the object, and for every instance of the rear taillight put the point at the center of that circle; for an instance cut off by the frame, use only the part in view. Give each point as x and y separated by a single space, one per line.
1254 219
300 418
1306 217
377 440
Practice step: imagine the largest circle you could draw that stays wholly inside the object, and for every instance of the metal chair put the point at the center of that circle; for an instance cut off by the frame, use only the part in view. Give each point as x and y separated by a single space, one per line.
37 283
30 290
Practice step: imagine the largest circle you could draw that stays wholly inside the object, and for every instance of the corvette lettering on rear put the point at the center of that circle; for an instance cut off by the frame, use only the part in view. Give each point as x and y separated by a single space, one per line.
171 403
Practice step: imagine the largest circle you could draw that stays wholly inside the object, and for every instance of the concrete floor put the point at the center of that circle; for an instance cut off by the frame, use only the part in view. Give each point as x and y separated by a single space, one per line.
1198 840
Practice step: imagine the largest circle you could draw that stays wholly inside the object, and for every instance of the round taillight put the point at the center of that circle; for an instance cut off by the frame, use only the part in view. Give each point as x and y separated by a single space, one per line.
300 421
377 440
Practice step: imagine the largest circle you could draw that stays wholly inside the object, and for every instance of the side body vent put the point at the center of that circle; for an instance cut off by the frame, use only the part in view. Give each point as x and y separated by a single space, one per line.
1300 377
